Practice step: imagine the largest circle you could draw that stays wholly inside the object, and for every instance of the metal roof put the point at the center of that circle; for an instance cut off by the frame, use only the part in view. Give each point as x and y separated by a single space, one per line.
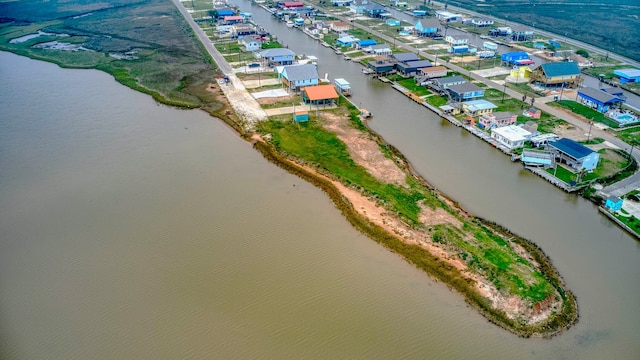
320 92
475 105
415 64
429 23
560 69
627 73
450 80
300 72
598 95
571 148
276 52
465 87
403 57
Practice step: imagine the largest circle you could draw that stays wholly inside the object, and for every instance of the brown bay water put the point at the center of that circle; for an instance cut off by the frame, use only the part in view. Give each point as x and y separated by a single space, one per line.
134 230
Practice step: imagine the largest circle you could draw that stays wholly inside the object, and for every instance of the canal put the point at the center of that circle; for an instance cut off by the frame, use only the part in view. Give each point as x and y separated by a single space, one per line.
600 262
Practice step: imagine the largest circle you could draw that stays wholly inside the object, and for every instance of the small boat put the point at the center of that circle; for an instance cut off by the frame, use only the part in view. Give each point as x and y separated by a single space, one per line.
366 71
290 24
338 52
347 58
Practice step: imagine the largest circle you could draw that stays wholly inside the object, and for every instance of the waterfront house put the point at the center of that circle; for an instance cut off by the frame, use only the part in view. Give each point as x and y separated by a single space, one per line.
627 75
374 10
500 31
497 119
291 5
511 136
482 22
222 12
410 68
443 84
446 16
357 6
295 77
559 74
319 94
597 99
403 57
277 56
251 43
239 30
465 92
346 40
574 154
233 19
379 49
613 203
339 26
477 107
381 65
432 72
521 34
360 44
427 27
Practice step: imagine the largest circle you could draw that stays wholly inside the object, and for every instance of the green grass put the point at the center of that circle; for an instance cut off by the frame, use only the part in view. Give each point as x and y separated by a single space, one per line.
410 84
488 253
585 111
312 143
563 174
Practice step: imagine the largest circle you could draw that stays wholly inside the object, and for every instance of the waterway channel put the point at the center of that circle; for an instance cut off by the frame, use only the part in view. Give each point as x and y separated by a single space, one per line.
135 230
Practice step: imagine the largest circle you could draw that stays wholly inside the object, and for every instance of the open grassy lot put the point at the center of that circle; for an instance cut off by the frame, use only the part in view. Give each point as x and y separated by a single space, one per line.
145 45
585 111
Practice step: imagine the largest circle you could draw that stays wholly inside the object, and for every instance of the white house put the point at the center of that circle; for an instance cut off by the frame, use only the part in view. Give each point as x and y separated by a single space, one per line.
251 43
379 49
511 136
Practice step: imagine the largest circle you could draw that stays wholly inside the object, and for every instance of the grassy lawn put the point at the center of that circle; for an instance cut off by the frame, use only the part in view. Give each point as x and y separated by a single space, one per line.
437 100
631 221
585 111
410 84
630 135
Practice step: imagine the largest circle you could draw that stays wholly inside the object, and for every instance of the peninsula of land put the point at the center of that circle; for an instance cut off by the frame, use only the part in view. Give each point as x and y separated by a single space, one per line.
507 278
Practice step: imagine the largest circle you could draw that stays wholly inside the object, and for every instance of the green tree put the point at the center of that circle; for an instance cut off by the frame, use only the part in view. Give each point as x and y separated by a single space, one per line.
214 15
582 52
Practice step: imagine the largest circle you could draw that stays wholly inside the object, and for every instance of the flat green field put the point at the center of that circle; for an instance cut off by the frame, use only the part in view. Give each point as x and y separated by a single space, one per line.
145 45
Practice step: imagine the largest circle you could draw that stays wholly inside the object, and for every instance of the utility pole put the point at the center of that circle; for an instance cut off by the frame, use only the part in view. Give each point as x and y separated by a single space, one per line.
504 90
589 135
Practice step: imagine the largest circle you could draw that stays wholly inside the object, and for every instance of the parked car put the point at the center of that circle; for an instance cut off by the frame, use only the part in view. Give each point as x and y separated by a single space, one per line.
253 65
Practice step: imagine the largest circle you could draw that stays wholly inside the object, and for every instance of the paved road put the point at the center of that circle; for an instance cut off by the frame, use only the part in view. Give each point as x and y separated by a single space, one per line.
204 39
622 187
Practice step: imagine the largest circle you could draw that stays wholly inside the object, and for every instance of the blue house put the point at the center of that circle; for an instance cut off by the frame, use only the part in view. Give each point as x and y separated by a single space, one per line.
466 91
374 10
427 27
365 43
404 57
511 57
613 203
380 65
222 12
597 99
410 68
574 154
295 77
278 56
627 75
445 82
358 6
346 40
